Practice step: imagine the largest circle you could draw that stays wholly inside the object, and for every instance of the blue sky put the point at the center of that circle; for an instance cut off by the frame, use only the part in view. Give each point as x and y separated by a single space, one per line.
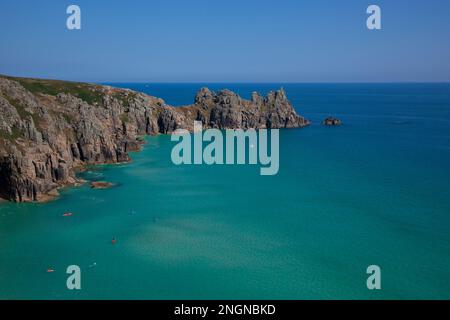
227 41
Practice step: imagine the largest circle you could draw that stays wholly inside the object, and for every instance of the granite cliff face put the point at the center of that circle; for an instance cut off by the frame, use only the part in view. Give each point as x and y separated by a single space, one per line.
49 128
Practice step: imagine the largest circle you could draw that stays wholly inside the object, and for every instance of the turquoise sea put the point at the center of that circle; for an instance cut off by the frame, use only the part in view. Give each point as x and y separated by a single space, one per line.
373 191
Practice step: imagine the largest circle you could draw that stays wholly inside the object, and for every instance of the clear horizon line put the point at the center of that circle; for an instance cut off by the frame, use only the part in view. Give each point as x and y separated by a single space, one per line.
274 82
232 82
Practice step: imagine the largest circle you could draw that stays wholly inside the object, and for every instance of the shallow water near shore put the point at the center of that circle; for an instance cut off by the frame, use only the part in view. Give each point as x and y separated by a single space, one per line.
373 191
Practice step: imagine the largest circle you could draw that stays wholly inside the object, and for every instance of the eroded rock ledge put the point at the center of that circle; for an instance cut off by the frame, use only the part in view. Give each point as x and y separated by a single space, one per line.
50 128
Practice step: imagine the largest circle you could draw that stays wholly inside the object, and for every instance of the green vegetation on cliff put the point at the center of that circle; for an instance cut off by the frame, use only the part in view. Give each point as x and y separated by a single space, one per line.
86 92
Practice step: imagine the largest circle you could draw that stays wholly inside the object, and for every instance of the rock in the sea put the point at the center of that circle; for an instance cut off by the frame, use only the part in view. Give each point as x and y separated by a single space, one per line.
49 128
101 185
330 121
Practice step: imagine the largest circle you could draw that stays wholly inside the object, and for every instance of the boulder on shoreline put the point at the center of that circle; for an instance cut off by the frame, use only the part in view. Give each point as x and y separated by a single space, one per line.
330 121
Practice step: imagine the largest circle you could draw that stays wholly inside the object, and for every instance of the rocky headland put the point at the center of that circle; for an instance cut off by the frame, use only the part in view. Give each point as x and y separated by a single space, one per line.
50 128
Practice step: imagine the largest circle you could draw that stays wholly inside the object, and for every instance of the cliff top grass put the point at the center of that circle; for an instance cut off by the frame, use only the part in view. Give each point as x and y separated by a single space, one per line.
89 93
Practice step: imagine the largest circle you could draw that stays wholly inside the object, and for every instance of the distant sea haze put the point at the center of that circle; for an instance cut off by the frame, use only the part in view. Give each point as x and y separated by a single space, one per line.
373 191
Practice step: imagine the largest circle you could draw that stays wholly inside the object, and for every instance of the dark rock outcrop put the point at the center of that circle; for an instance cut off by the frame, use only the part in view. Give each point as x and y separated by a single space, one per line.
49 128
330 121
